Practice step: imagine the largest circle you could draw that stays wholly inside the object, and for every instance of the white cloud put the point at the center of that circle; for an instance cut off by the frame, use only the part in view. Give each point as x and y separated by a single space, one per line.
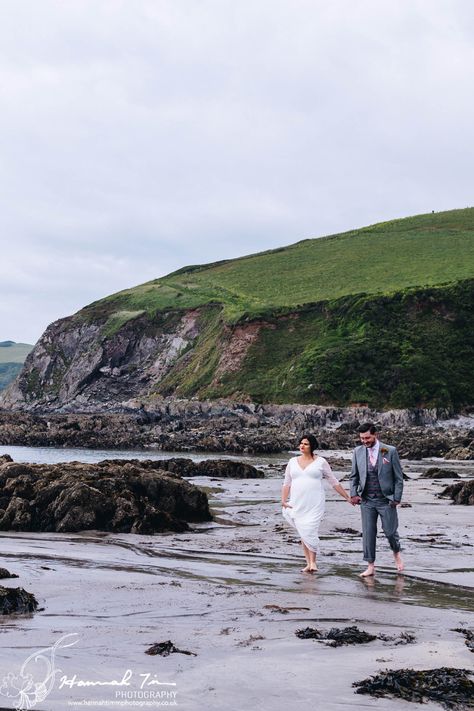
139 137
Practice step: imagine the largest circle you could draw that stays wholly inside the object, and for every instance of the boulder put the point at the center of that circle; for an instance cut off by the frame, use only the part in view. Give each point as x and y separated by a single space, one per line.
460 493
119 496
439 473
16 600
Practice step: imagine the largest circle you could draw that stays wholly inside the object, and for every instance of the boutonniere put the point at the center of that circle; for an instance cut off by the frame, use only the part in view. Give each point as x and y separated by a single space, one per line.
384 450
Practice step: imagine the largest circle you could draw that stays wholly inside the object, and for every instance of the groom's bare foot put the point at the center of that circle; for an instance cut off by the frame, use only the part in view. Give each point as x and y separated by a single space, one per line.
306 569
313 569
399 562
370 571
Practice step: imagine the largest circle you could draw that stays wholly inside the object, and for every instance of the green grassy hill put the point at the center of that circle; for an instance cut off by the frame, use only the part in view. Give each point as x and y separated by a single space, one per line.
383 316
12 357
426 250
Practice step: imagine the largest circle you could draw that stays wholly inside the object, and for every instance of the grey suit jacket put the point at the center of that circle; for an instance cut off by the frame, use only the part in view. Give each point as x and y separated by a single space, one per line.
389 471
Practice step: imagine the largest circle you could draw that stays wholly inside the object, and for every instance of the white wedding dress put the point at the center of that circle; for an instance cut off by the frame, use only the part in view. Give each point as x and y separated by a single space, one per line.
307 498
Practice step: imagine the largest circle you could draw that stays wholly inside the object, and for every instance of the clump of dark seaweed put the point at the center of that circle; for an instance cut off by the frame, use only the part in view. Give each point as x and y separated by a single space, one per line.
469 635
351 531
166 648
447 686
403 638
336 637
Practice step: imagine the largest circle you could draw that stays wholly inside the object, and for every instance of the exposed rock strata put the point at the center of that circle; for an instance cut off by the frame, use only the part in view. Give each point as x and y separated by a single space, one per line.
231 427
109 496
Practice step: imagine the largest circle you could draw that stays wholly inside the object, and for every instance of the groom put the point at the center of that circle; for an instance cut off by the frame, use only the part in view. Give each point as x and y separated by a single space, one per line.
377 485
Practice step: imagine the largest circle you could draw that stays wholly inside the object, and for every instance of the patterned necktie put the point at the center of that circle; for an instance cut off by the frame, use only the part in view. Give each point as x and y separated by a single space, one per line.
372 457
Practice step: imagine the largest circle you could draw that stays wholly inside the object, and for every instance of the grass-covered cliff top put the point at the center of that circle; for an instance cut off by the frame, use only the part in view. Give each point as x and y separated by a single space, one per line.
425 250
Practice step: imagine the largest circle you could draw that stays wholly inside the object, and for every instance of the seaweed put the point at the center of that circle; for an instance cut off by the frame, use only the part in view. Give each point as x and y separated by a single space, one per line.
166 648
469 635
351 531
447 686
337 637
351 635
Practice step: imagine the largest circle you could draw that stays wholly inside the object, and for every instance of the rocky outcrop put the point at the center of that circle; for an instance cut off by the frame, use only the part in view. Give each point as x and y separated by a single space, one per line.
16 600
460 493
80 365
220 468
439 473
109 496
223 426
462 452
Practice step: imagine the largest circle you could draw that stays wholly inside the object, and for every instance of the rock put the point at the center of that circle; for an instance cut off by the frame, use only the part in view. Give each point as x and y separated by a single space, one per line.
226 426
213 468
461 453
16 600
184 467
460 493
439 473
116 496
4 574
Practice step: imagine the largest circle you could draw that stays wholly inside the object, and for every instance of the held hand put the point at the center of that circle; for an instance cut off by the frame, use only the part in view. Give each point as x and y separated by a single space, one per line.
286 506
355 500
394 504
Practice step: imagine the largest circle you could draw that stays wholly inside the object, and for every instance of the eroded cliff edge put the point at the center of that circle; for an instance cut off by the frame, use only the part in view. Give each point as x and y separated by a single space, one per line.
410 349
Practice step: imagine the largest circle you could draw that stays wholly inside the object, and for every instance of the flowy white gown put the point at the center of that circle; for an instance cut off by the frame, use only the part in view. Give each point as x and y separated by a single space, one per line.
307 498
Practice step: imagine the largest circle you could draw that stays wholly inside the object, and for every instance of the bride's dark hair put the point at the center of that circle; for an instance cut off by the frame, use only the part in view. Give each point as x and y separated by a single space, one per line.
313 442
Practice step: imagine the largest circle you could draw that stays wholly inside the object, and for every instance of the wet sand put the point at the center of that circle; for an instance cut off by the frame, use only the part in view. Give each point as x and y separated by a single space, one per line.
215 592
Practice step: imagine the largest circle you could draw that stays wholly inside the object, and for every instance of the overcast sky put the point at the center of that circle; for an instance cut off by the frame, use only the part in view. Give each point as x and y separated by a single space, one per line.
139 136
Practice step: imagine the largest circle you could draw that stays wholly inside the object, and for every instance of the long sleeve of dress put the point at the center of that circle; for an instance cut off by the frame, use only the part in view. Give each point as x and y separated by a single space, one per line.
287 480
327 474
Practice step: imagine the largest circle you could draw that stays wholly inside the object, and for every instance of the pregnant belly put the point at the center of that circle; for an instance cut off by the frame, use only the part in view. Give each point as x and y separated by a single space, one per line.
306 495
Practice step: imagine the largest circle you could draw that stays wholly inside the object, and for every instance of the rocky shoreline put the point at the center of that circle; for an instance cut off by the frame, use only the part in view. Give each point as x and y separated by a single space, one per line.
175 425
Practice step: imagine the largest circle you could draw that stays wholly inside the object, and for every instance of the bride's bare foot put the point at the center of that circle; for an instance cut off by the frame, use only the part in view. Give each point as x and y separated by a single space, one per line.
399 562
314 569
370 571
306 569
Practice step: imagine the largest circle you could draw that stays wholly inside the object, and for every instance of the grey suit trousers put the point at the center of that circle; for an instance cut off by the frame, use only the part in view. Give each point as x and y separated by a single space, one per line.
371 509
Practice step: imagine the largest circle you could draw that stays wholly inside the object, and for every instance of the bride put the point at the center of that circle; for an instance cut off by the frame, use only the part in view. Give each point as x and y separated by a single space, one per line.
304 508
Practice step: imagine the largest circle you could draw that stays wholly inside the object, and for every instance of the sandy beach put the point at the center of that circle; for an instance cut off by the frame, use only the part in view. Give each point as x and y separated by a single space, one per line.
232 593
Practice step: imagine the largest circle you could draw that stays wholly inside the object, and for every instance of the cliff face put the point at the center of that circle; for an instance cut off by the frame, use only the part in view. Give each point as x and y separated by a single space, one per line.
81 365
410 349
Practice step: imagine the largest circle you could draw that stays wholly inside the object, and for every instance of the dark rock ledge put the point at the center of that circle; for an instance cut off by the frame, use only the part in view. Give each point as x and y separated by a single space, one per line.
124 497
232 427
